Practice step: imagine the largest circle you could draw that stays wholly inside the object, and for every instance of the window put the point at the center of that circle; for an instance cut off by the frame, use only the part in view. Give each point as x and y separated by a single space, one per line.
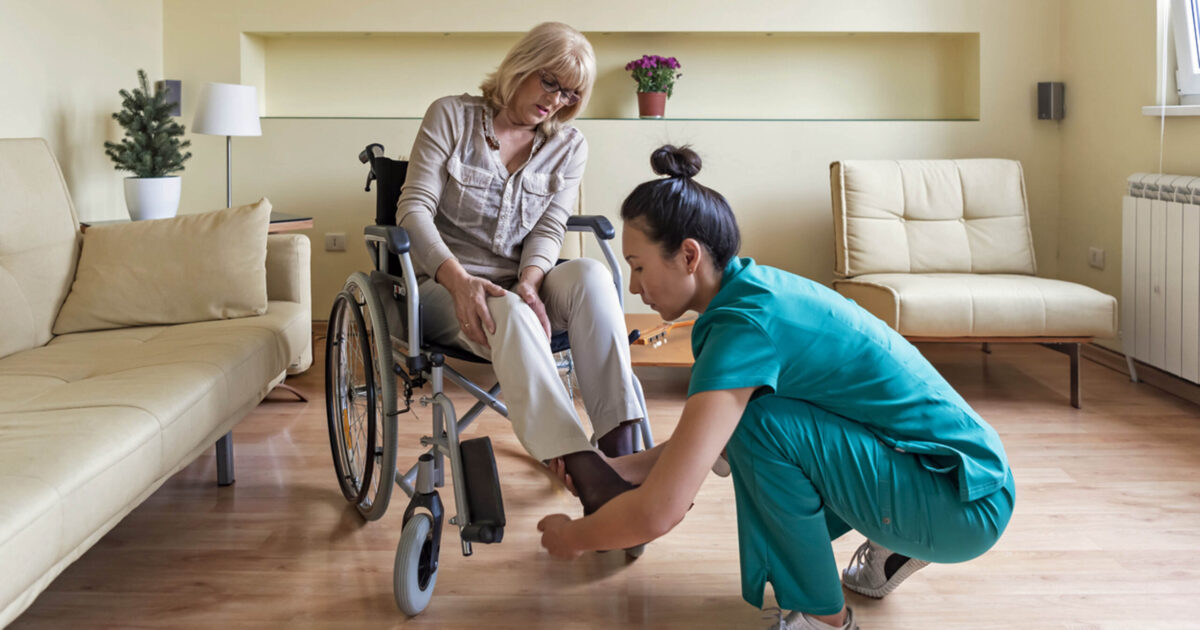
1186 29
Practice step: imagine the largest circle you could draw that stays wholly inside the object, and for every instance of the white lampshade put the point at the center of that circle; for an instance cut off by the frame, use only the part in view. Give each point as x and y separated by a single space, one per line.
227 109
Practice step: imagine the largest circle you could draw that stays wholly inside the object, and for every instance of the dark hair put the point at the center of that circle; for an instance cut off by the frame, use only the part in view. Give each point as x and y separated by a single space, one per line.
677 207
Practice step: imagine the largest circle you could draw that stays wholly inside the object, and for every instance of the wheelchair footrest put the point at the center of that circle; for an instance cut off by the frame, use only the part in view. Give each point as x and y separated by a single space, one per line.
483 492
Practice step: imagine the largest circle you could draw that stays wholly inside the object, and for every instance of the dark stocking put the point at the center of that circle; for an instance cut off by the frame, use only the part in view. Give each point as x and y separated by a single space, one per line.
619 441
595 481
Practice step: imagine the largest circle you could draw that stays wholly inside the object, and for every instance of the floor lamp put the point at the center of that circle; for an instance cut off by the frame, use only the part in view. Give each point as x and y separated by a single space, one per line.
227 109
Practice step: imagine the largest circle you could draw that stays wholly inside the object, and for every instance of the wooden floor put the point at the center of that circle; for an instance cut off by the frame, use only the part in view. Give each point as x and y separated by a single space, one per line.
1106 532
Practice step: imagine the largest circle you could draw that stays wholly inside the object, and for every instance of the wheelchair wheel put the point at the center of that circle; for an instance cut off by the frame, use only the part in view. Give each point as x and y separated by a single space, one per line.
361 398
414 574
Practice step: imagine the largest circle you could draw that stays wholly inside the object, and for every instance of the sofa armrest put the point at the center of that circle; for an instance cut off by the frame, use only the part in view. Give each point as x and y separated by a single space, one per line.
289 279
288 268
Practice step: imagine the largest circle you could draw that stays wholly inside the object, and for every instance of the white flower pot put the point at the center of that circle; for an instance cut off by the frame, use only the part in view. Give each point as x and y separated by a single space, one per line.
152 197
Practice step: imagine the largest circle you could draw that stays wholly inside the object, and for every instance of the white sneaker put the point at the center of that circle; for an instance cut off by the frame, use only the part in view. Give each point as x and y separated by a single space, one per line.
721 466
875 571
797 620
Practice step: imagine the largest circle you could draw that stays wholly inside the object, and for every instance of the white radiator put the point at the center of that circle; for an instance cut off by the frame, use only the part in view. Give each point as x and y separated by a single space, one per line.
1160 273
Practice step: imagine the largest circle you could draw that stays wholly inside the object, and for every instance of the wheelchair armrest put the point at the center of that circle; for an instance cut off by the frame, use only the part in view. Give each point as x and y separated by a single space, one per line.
591 223
395 236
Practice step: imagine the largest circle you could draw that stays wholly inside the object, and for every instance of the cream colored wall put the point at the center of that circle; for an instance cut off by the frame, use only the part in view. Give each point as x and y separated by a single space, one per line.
1109 66
812 75
61 65
774 173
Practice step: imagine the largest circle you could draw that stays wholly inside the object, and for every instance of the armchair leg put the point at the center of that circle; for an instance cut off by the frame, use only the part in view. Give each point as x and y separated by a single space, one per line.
1072 351
1132 368
987 347
225 460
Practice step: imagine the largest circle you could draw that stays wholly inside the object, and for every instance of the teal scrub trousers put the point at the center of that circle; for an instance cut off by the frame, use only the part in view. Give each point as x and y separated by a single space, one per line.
803 476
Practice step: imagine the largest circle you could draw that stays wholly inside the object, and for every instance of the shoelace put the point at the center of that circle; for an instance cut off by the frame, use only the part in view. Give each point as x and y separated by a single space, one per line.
775 613
862 557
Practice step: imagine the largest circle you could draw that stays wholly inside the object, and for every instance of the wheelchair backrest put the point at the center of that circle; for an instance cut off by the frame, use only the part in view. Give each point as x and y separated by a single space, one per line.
389 176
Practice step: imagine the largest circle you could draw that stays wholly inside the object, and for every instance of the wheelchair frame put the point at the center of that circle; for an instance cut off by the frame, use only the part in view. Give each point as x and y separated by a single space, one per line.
478 502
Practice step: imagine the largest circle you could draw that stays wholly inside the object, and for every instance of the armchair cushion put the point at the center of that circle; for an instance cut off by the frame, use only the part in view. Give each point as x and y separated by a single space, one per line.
194 267
983 305
930 216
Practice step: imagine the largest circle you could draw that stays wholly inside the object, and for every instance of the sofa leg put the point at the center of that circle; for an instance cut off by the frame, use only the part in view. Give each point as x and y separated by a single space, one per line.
225 460
987 347
293 390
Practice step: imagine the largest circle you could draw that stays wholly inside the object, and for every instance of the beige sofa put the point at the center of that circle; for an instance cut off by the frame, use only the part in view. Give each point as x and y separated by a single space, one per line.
92 423
941 250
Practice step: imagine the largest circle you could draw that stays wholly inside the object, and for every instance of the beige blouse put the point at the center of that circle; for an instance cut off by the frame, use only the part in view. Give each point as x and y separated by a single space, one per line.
460 200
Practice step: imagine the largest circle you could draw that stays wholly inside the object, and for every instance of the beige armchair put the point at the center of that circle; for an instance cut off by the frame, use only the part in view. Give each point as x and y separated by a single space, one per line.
941 250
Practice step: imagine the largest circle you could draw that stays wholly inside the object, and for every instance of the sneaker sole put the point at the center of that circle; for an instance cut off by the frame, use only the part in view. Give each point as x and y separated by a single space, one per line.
909 568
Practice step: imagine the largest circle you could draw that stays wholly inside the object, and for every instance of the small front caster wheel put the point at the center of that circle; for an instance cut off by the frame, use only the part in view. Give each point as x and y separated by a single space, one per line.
415 571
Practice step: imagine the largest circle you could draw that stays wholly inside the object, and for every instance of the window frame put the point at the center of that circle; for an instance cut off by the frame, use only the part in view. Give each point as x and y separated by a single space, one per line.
1186 30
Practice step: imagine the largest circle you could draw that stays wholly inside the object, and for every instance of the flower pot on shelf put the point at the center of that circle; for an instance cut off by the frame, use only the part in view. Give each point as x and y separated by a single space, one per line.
651 104
152 197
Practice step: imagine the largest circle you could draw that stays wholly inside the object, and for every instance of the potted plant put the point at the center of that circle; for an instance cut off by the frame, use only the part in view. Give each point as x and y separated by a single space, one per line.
151 149
655 77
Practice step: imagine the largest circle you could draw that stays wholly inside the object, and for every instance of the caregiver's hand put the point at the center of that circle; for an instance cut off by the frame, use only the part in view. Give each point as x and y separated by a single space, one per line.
554 537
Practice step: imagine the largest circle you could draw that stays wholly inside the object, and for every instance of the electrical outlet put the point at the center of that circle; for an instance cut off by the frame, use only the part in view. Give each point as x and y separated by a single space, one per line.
1096 257
335 241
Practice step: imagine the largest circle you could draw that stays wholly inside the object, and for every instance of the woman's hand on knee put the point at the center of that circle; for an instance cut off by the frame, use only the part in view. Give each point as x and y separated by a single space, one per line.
529 295
470 307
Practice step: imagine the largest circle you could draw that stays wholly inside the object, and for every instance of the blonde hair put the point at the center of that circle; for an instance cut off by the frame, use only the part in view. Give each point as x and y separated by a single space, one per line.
555 48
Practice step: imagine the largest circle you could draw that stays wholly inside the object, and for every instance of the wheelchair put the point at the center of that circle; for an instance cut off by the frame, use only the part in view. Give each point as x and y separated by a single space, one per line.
374 352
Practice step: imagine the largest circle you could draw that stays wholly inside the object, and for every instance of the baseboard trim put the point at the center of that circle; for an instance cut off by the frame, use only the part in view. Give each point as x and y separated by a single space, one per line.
1147 374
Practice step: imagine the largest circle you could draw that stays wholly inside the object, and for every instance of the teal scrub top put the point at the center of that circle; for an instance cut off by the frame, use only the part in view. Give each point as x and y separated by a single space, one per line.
767 328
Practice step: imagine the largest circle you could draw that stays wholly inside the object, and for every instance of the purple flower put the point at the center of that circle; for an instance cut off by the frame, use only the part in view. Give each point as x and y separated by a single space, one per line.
654 73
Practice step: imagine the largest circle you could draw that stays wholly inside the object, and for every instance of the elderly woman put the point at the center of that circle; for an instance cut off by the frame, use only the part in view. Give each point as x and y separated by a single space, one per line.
491 182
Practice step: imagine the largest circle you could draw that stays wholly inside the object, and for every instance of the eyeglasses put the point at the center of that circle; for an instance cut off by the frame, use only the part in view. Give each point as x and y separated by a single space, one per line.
550 84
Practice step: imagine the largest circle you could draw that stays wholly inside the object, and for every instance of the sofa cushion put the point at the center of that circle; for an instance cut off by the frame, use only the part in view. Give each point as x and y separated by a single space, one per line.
38 243
93 421
983 305
89 463
190 268
189 377
930 216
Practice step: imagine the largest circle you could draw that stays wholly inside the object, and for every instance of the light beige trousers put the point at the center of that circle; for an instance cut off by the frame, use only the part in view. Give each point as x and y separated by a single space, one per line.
579 298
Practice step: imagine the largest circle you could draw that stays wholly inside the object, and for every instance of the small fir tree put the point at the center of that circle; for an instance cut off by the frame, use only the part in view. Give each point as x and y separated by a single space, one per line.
151 146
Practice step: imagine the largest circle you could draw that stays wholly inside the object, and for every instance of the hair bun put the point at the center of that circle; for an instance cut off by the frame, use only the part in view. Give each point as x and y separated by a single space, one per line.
675 161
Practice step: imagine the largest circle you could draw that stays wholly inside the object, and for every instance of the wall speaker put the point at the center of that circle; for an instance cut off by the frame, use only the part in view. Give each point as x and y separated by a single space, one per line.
174 94
1050 100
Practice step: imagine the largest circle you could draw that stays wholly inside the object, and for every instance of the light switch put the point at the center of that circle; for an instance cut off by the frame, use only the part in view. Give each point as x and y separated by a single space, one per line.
335 241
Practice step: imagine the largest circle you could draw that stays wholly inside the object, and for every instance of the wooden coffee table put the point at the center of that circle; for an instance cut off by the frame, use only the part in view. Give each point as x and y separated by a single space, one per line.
676 352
